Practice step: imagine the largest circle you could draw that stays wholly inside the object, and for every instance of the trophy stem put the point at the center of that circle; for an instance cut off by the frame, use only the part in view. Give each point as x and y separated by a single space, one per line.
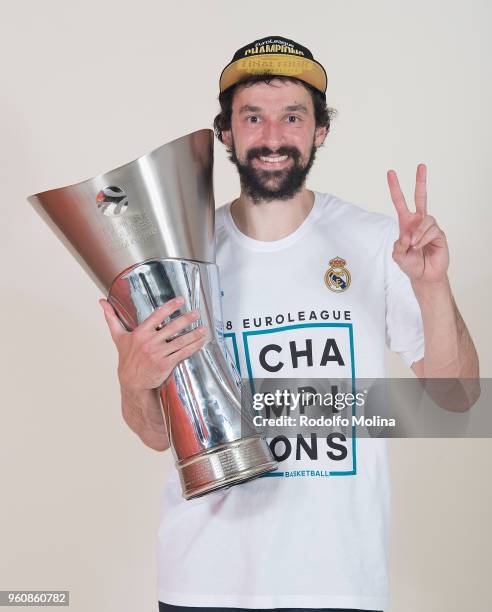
211 432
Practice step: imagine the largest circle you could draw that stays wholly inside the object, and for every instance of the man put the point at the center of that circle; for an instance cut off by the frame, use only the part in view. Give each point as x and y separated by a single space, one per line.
313 287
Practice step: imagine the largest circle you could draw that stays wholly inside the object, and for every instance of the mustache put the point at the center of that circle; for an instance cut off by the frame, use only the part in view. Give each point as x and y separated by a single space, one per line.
265 151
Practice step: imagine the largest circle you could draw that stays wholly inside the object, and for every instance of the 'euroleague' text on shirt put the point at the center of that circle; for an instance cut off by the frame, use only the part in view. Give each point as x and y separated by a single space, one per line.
303 315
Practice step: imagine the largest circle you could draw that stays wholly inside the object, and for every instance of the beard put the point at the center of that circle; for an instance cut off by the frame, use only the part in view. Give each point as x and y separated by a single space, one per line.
268 185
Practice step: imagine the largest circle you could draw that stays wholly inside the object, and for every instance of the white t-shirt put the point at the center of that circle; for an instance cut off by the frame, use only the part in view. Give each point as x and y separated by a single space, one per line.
314 534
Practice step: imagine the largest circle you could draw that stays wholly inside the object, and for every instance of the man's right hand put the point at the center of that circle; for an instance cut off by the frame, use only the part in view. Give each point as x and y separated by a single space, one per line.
146 356
146 359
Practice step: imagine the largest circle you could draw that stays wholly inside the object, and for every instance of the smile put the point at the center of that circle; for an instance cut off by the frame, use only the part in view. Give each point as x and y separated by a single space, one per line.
273 160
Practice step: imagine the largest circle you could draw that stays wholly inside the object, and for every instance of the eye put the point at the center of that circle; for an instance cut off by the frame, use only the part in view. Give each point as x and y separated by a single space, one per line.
252 119
293 119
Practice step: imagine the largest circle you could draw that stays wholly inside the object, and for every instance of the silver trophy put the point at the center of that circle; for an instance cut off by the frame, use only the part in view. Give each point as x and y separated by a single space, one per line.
144 232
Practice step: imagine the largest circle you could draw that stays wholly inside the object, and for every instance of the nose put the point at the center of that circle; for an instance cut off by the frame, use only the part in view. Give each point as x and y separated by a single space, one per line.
271 135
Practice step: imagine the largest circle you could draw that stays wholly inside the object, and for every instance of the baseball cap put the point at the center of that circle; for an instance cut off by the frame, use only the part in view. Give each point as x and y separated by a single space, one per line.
274 55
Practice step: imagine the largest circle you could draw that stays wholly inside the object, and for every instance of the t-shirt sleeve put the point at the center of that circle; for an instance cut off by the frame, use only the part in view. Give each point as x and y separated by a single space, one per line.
404 325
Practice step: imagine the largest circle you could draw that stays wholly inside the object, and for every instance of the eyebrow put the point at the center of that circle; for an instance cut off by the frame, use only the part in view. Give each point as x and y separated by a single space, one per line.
296 107
247 108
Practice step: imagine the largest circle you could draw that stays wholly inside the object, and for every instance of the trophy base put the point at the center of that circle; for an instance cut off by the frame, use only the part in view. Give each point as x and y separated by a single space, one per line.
224 465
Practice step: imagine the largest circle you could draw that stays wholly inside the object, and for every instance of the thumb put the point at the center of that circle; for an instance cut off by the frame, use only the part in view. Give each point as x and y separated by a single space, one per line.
115 327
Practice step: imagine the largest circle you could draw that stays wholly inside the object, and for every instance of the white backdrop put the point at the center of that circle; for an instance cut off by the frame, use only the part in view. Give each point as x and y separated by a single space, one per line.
91 85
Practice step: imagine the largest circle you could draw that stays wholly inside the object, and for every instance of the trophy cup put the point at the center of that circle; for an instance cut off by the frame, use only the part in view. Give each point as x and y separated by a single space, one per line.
144 232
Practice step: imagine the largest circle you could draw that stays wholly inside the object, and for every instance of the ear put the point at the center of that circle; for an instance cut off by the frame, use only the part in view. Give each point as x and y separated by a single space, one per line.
319 136
227 138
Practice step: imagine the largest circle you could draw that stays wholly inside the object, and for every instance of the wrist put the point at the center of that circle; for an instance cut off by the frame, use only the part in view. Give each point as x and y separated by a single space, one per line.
431 289
133 391
127 383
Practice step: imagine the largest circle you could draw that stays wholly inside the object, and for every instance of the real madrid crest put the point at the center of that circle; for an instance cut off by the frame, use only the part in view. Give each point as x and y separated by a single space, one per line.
337 277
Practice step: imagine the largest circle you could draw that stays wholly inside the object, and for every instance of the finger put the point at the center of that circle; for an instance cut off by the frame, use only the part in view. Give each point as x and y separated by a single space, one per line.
159 315
421 228
187 351
116 328
177 325
183 341
421 189
433 234
401 245
396 193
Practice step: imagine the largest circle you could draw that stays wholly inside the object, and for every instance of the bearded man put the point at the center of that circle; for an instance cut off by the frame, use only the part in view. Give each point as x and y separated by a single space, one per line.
314 534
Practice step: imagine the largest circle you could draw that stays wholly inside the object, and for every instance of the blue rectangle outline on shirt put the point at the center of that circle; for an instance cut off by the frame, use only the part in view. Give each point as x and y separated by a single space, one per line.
349 326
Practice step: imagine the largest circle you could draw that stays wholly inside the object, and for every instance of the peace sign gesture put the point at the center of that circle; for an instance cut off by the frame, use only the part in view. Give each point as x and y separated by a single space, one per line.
421 250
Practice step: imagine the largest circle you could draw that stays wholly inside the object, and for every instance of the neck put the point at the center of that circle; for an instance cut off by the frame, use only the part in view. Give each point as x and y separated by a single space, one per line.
272 220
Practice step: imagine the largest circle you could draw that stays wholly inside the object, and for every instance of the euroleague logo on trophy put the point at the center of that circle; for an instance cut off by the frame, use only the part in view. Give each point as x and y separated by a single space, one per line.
112 201
337 277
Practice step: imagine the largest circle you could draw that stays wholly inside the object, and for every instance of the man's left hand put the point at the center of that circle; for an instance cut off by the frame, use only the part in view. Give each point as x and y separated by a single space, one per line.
421 250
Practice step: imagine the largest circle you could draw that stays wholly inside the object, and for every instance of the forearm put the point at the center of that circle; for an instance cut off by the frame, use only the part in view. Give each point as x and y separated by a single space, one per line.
142 412
449 349
450 365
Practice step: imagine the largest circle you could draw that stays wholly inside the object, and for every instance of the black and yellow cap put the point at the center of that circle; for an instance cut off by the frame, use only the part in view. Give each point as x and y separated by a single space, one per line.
274 55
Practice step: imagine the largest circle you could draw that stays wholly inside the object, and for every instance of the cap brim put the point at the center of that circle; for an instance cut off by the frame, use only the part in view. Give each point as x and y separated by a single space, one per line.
306 70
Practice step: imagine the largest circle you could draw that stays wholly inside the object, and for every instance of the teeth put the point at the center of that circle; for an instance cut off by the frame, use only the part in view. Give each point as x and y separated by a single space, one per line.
274 160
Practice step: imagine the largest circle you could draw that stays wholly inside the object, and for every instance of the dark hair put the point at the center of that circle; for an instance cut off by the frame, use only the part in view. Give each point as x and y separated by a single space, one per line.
322 114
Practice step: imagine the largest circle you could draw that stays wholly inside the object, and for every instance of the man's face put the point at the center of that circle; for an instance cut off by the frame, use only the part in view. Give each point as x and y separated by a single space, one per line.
273 138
